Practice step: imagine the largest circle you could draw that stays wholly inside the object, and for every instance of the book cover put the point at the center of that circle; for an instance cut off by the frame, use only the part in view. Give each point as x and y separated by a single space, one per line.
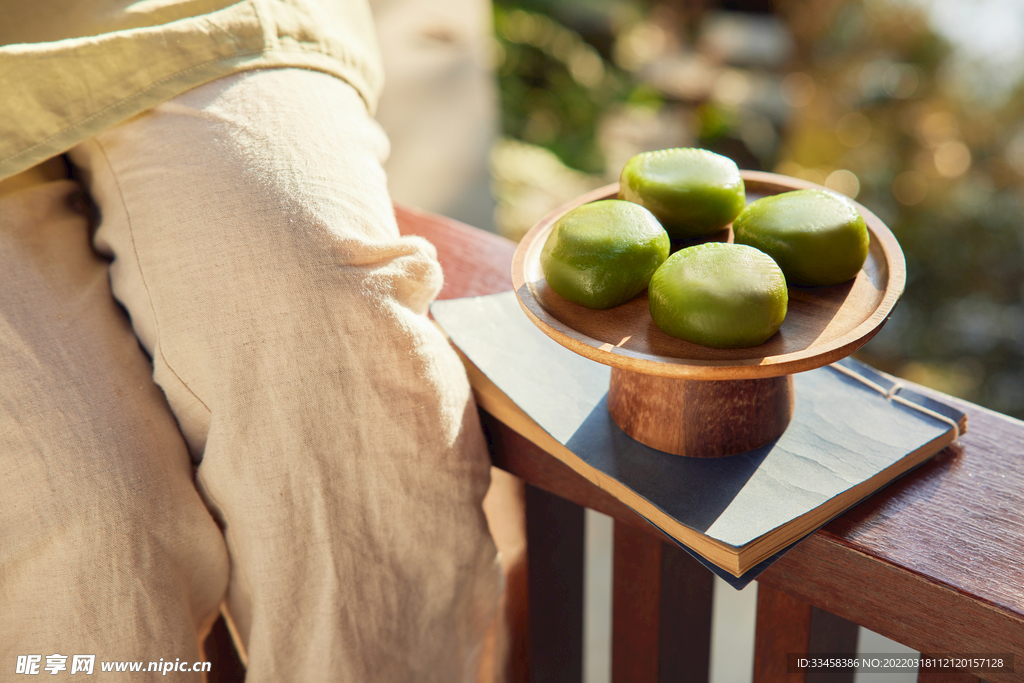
847 439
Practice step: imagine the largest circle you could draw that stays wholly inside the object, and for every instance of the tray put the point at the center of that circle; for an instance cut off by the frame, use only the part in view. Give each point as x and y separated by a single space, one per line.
823 324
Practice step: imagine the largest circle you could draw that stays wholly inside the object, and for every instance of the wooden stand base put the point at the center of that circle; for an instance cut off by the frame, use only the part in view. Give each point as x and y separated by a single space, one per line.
700 418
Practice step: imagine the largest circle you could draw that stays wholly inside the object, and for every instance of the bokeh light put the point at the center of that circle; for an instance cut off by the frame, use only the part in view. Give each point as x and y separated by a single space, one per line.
952 159
844 182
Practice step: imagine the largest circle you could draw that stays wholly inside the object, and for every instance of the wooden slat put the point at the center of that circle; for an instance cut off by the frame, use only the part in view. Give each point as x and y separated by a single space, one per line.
636 594
554 529
831 635
783 627
789 626
687 592
661 611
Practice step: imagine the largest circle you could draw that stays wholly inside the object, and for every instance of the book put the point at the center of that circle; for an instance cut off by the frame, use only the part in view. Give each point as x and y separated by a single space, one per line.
853 431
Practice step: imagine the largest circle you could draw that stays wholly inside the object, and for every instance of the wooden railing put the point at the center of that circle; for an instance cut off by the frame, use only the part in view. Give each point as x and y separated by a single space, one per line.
935 561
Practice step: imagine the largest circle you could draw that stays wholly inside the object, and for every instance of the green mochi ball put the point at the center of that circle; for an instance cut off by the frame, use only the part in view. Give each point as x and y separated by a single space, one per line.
817 237
720 295
603 254
692 192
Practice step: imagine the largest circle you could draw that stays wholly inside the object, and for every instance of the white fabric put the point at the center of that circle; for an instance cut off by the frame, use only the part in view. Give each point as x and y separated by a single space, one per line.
254 248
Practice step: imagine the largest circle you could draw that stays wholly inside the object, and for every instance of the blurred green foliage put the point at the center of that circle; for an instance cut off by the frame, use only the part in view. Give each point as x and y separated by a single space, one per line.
554 86
866 98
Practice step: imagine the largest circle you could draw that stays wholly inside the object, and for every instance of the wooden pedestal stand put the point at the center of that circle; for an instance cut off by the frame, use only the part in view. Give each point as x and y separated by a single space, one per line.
698 418
698 401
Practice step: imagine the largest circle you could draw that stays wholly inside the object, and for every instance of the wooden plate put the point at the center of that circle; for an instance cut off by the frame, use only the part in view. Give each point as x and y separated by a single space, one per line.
823 324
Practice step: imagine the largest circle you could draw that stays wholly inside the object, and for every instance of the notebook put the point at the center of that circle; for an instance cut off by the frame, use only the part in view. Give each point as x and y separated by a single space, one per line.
853 431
